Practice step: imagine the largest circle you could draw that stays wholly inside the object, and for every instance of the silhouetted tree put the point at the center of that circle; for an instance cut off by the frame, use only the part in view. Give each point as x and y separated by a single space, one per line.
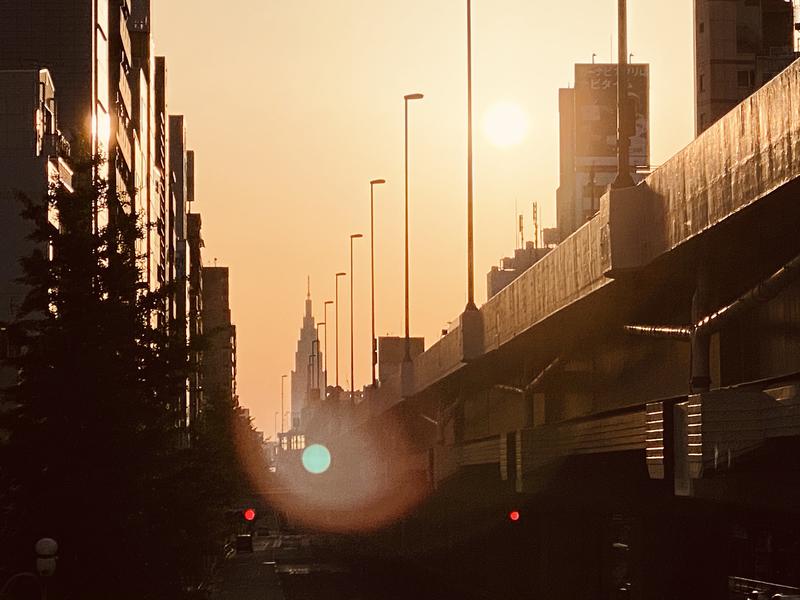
95 457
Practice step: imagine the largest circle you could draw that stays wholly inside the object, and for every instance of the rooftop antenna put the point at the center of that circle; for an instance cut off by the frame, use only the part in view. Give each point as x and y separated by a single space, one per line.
521 233
308 286
215 261
594 55
535 225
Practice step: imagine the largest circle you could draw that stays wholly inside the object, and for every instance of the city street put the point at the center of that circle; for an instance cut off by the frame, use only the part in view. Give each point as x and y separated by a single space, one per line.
264 333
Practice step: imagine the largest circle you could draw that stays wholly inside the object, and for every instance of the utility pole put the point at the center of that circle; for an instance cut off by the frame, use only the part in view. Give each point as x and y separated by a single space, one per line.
624 178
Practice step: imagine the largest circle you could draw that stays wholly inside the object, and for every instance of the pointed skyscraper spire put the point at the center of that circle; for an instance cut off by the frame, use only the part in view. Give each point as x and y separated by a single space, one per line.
308 296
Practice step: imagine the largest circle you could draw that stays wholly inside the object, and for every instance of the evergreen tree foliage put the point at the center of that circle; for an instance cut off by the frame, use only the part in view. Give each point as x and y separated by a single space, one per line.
94 457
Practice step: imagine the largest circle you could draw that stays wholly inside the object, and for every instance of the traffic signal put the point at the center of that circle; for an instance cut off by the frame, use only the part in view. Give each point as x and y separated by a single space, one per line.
514 515
249 514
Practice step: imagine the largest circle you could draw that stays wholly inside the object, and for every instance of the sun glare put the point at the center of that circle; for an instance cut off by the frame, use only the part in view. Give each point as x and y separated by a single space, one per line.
505 124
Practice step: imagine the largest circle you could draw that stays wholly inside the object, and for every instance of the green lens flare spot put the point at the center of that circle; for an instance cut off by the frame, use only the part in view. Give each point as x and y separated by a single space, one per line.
316 459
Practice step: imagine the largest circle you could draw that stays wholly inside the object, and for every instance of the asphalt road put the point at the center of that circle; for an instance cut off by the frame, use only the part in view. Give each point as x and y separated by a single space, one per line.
249 575
313 567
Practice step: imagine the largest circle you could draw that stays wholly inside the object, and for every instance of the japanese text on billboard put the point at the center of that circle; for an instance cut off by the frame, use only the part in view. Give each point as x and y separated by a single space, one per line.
596 114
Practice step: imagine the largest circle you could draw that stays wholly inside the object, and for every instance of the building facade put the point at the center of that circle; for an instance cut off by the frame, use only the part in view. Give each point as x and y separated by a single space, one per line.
195 315
33 155
739 46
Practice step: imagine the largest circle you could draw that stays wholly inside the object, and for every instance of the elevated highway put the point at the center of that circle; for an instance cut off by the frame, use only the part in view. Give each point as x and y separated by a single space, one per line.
645 372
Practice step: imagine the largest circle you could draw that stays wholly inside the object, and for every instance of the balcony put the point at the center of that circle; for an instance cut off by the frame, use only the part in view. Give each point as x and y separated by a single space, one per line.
125 94
124 145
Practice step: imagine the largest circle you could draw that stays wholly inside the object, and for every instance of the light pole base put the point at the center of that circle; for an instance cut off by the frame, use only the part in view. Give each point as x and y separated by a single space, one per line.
472 346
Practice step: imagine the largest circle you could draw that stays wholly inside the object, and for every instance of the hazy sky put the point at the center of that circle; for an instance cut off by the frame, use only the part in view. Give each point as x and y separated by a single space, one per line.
292 106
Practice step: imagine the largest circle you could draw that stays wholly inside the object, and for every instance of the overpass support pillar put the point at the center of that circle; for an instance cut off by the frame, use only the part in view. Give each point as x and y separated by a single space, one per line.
630 230
471 335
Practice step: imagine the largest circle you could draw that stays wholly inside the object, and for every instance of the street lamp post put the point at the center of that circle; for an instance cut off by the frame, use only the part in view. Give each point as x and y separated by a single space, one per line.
336 306
470 244
353 236
374 356
320 368
325 354
624 178
283 427
406 98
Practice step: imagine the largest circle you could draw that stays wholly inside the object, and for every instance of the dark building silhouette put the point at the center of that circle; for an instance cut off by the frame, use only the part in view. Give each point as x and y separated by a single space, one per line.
111 98
163 250
86 45
512 267
195 316
181 193
308 377
219 355
739 46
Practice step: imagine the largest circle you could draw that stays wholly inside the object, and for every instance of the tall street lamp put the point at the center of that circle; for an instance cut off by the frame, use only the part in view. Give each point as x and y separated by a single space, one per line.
283 428
406 98
337 325
624 178
353 236
320 368
325 353
470 255
374 357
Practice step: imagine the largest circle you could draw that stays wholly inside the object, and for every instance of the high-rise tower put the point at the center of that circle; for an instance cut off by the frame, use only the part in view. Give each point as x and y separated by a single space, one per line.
308 377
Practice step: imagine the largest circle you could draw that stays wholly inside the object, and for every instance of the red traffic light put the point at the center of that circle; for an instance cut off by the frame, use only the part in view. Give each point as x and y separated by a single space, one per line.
249 514
514 515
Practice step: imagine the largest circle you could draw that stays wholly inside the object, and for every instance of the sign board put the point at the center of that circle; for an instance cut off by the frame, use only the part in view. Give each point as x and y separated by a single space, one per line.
596 114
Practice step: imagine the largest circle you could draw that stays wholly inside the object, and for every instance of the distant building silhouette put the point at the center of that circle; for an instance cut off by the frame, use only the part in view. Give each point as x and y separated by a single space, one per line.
219 355
512 267
308 377
739 46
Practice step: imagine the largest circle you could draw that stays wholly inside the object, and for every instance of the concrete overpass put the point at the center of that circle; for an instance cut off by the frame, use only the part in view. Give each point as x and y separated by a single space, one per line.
647 370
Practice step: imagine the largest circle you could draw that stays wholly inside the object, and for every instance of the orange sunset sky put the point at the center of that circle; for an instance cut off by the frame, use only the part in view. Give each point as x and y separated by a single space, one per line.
292 106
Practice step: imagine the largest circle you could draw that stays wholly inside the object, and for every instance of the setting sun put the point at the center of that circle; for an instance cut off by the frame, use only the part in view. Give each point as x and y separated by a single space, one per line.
505 124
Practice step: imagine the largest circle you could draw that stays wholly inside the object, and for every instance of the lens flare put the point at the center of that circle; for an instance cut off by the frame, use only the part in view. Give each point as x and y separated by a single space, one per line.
316 459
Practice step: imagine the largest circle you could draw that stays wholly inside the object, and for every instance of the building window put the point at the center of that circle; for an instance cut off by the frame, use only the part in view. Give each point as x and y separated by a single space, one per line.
745 78
701 83
702 27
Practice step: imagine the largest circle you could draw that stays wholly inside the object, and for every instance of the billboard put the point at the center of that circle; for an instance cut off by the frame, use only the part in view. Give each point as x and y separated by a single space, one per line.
596 114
